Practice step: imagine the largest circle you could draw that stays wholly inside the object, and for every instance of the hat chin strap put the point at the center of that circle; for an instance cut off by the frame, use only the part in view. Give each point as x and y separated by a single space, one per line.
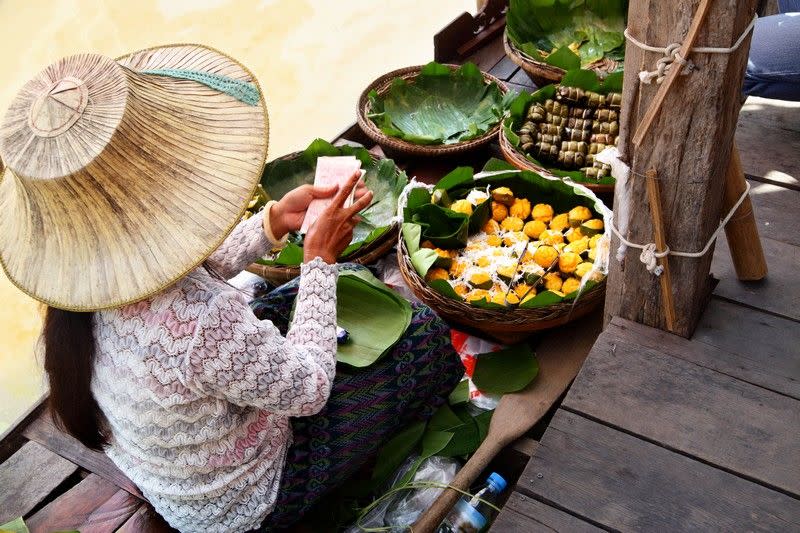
241 90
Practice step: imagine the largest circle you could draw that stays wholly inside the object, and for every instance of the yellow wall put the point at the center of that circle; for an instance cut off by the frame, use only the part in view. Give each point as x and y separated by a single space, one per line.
312 57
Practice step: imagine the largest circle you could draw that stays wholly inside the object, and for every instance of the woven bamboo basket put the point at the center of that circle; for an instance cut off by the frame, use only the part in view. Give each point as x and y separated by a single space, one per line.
505 325
518 159
392 144
367 254
543 74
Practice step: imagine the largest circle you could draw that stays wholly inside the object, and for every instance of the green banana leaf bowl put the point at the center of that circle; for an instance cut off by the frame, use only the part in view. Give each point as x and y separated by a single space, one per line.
373 238
542 73
484 97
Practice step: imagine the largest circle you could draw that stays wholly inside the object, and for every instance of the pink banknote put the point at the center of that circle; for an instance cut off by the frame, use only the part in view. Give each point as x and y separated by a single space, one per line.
330 171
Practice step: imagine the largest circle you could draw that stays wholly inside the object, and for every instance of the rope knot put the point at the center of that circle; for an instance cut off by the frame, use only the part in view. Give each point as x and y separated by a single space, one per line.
650 257
671 55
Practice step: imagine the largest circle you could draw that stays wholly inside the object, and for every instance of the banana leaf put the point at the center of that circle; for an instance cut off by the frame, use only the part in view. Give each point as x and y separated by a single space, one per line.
440 106
518 108
551 30
374 316
382 177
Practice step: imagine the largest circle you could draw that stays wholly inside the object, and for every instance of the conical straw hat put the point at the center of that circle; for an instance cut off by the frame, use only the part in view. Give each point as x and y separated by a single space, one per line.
121 176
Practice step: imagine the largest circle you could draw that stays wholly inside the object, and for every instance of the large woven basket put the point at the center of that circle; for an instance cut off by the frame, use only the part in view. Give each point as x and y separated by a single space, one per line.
395 145
518 159
544 74
505 325
367 254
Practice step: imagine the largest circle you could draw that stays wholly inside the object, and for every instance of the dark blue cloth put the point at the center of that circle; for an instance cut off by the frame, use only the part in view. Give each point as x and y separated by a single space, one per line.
773 69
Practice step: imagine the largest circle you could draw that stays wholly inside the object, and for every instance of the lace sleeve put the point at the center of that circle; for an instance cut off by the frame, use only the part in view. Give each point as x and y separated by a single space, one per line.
248 362
246 243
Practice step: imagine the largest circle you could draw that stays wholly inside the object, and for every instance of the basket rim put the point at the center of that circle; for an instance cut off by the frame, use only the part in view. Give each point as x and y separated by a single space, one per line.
517 158
547 71
382 84
378 246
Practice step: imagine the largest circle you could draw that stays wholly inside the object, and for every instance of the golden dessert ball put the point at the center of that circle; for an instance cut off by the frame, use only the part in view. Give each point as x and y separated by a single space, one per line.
574 234
494 240
513 238
594 239
461 206
491 227
512 224
579 246
544 256
568 262
437 273
534 228
583 269
461 289
458 267
503 195
543 212
570 285
499 212
477 295
551 237
552 281
522 289
578 215
559 222
521 208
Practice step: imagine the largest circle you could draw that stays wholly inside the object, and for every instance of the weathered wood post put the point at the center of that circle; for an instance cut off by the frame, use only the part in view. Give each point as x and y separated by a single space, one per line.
688 144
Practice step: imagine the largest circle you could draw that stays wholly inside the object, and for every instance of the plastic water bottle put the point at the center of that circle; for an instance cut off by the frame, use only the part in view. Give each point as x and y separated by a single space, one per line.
472 515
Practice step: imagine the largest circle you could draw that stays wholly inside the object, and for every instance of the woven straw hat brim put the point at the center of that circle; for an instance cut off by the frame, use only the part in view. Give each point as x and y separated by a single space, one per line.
145 181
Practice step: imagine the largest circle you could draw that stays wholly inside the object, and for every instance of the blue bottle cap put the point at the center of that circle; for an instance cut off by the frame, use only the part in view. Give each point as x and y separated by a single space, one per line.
498 481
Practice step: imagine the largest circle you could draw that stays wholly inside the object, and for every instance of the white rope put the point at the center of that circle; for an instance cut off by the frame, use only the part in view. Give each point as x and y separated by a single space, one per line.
672 55
650 253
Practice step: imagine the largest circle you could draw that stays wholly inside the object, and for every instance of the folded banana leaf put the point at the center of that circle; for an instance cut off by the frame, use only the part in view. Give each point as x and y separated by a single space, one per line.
553 30
375 316
382 177
517 110
440 106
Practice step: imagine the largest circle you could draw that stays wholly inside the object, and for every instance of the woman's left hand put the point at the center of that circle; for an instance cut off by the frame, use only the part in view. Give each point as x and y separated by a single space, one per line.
288 214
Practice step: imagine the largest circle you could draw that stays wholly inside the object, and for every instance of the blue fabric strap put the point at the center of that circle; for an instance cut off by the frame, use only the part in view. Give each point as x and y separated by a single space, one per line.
241 90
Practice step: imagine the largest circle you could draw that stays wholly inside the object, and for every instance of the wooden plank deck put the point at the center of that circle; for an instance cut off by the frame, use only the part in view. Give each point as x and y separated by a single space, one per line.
662 434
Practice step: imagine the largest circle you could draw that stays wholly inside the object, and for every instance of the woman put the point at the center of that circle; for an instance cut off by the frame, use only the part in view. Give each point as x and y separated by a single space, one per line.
125 180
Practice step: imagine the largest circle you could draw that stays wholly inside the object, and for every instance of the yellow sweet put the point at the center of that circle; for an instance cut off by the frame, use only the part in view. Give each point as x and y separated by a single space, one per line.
559 222
593 240
551 237
523 289
483 261
570 285
461 206
592 227
461 289
543 212
458 267
534 228
583 269
512 224
574 234
579 246
491 227
568 262
552 281
503 195
544 256
530 295
507 272
477 295
592 254
499 212
521 208
578 215
480 280
494 240
437 273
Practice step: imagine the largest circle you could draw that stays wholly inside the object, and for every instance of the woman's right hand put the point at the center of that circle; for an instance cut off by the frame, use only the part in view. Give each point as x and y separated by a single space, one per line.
333 230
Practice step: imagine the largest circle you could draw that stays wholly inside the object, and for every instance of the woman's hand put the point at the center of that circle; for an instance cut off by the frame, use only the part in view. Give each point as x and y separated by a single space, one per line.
288 213
333 230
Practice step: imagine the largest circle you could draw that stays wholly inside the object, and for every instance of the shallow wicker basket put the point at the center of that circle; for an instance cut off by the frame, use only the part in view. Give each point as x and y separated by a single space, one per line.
543 74
367 254
506 325
393 144
518 159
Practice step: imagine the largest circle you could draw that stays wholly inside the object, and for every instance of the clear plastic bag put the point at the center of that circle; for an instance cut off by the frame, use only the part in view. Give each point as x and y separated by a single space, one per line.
402 509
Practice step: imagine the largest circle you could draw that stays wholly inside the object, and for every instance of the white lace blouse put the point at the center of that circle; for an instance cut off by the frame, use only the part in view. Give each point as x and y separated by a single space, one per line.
198 392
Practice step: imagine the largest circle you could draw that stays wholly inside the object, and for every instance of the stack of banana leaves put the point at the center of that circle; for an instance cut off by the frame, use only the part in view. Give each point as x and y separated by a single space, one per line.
563 127
568 33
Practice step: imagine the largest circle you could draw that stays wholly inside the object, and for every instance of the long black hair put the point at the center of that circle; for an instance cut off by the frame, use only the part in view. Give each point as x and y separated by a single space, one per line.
69 351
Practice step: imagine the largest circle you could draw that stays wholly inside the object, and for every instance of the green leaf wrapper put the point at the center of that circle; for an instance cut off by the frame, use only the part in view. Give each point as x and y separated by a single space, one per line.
508 370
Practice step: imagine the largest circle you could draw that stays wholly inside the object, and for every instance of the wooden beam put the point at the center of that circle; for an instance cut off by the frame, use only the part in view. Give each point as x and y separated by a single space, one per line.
688 144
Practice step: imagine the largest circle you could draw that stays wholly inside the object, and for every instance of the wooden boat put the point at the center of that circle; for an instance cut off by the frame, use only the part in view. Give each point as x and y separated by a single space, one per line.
727 402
